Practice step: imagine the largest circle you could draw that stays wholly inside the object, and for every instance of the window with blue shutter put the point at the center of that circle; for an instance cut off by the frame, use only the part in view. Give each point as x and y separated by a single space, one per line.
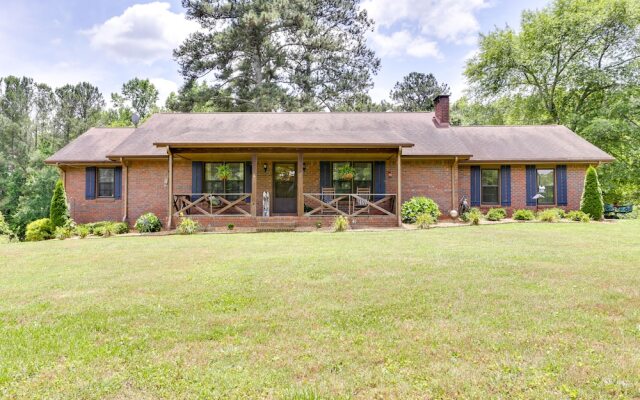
505 186
379 177
531 184
475 186
90 183
117 179
325 175
248 179
561 178
197 171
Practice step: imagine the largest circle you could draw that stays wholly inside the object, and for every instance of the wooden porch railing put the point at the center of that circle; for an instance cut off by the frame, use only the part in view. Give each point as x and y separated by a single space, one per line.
211 204
349 204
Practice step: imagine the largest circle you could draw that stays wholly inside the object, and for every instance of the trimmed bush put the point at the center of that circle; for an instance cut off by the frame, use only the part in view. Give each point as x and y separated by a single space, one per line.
82 231
63 232
524 215
417 206
578 216
591 202
424 221
188 227
340 224
38 230
549 215
148 223
559 212
474 216
496 214
119 228
59 210
230 227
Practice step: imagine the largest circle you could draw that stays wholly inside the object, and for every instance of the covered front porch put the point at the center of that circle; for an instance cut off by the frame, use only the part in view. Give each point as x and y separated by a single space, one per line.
284 186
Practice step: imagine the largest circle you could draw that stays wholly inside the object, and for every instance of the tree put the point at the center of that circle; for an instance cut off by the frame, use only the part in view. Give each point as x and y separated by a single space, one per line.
78 107
591 202
416 92
140 94
279 55
569 55
59 210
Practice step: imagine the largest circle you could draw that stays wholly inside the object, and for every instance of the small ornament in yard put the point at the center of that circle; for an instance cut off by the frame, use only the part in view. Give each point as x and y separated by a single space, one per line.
453 214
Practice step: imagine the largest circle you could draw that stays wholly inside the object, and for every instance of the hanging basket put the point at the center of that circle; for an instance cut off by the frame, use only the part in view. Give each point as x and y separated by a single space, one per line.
347 176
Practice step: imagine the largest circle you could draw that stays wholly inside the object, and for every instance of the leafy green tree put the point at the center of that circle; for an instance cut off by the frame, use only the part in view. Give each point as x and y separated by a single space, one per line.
78 107
591 202
279 55
140 94
416 92
59 210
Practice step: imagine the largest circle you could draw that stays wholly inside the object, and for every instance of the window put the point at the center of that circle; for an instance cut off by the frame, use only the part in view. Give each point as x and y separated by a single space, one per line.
490 186
363 177
546 185
106 182
234 184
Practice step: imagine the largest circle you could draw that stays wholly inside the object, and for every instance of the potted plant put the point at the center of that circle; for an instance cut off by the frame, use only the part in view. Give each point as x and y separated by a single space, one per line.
223 172
346 172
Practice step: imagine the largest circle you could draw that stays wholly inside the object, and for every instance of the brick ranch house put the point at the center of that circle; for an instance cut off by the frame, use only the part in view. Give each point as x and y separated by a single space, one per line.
289 168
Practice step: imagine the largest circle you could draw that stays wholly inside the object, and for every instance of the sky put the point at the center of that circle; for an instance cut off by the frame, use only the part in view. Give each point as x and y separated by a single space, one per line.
108 42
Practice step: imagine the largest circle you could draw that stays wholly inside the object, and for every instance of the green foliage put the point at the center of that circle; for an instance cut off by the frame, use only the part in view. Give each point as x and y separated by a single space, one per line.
549 215
578 216
473 216
496 214
141 94
223 172
524 215
318 224
559 212
82 231
188 227
419 205
38 230
148 223
119 228
340 224
417 91
273 55
5 230
63 232
592 202
424 221
230 227
346 172
59 211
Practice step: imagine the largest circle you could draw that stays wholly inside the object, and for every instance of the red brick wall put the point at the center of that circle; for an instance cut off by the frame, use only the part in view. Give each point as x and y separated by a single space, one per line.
575 182
83 211
430 178
148 189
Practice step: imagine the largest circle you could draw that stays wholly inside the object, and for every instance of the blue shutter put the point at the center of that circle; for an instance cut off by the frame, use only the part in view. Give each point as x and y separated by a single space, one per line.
117 182
90 183
325 175
561 178
505 186
248 180
379 177
531 185
197 173
475 186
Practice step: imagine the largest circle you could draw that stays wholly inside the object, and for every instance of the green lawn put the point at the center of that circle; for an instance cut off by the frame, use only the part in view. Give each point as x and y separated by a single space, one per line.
532 311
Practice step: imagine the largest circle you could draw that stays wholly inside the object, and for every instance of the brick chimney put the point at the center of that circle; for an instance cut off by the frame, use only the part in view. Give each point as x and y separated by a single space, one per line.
441 104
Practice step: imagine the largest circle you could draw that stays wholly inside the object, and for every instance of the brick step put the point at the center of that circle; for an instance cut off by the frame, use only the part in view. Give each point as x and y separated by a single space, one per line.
275 224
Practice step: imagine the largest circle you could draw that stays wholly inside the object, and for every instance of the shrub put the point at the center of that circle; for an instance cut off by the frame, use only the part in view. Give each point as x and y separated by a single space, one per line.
578 216
59 210
82 231
39 229
63 232
188 226
424 221
318 224
148 223
473 216
417 206
5 230
496 214
230 227
591 202
559 211
340 224
104 230
119 228
524 215
548 215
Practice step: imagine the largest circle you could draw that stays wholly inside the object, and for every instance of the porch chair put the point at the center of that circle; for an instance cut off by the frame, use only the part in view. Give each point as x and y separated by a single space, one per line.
363 203
328 194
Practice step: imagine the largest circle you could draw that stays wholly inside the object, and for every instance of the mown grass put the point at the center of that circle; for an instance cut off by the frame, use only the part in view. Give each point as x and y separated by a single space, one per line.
532 311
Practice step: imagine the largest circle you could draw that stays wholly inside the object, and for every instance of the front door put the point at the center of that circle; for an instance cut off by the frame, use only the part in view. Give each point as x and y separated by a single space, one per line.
284 188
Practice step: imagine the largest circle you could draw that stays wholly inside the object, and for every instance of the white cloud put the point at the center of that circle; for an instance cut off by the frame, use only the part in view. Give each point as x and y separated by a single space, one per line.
450 21
165 87
142 33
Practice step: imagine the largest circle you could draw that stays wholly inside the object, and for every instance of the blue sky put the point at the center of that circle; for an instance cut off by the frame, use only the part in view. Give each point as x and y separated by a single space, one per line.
108 42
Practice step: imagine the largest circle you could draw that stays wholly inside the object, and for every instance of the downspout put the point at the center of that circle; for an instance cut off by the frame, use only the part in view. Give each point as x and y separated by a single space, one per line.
125 195
454 184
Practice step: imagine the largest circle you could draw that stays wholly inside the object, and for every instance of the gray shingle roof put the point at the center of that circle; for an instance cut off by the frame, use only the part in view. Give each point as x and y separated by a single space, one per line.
91 146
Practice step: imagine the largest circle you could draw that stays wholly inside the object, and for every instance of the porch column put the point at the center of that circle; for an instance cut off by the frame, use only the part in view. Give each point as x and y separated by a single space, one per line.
300 185
170 191
399 194
254 184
